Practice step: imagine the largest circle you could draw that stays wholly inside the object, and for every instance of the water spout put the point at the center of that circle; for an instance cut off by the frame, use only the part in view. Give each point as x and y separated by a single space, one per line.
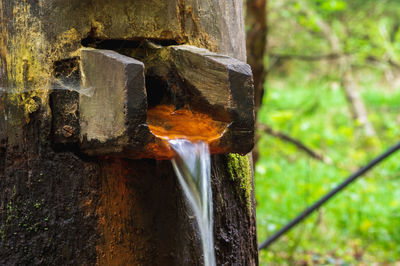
192 166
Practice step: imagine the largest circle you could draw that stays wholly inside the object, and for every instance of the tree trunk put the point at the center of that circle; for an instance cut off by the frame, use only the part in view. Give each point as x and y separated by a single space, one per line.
356 104
61 206
256 42
256 39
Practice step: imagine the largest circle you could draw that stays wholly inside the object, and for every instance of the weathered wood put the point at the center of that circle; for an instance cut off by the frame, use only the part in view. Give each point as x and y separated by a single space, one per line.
64 103
59 206
113 118
223 87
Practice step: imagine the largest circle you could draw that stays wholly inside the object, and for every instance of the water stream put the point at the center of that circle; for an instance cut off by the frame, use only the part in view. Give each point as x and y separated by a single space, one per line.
192 166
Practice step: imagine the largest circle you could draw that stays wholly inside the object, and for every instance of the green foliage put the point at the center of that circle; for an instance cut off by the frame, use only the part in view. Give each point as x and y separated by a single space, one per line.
362 224
365 28
305 100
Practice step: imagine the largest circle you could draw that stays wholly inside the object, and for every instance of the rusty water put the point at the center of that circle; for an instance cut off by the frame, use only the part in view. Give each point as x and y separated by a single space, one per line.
192 167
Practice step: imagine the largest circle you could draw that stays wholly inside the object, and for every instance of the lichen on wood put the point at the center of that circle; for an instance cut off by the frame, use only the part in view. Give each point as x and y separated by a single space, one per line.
28 56
66 227
25 59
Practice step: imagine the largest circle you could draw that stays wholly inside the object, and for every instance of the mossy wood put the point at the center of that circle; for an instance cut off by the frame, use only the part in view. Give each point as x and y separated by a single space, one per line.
60 206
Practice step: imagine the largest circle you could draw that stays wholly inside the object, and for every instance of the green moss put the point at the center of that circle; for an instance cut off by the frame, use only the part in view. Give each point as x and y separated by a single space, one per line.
2 233
240 172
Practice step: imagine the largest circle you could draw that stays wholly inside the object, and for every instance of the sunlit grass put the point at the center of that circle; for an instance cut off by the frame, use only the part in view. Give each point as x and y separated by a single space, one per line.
362 224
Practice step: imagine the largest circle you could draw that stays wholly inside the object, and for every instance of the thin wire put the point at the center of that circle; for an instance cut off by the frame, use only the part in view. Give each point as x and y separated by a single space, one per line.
328 196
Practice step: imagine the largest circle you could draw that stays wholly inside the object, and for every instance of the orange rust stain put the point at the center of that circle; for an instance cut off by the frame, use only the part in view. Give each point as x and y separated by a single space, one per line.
115 220
87 203
160 149
167 124
119 243
87 207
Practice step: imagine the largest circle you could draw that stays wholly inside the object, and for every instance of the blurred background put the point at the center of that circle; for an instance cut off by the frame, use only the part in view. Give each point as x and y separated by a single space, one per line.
327 76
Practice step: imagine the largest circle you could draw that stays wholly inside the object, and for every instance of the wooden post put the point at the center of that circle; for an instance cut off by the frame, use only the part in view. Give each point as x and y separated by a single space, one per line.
61 206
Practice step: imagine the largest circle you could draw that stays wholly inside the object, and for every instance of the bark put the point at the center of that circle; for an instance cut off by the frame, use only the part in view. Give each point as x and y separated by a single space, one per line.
60 206
256 39
256 42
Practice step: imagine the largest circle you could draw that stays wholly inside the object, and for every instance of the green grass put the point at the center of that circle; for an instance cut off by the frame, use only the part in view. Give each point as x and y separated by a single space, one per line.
361 225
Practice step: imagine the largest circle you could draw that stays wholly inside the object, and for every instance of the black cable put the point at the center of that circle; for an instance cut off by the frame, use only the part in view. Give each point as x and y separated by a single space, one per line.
328 196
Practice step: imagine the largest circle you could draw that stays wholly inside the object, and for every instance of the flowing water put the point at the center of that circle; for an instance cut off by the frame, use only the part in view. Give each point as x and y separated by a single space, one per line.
192 166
